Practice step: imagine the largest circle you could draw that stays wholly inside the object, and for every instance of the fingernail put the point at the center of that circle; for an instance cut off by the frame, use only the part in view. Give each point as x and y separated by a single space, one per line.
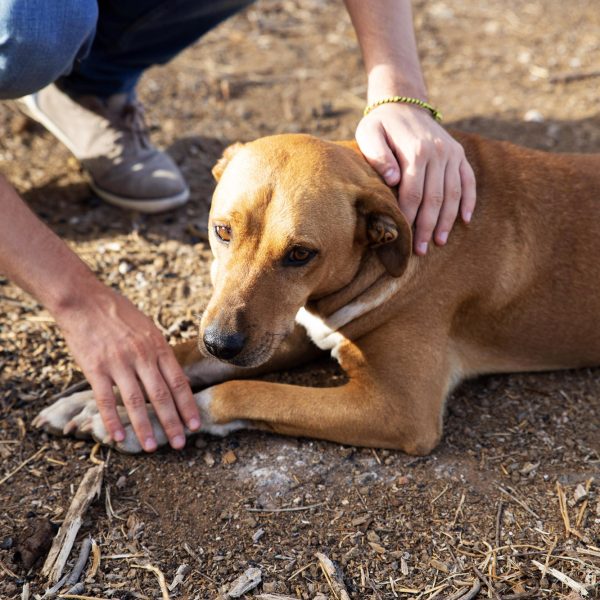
443 237
119 436
194 424
389 174
150 444
178 441
422 248
468 216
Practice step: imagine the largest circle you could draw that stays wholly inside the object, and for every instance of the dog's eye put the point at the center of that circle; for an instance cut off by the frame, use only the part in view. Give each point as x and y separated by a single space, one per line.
298 256
223 232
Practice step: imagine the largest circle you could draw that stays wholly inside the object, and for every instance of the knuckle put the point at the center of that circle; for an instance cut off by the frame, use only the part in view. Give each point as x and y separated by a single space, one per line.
424 149
435 199
105 402
160 396
454 193
439 146
412 196
135 400
179 383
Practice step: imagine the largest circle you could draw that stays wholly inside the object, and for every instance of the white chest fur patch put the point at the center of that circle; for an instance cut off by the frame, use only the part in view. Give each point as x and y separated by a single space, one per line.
320 332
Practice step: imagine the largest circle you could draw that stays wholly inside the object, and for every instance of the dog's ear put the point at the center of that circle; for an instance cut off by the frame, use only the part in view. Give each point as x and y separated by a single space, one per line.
228 154
386 230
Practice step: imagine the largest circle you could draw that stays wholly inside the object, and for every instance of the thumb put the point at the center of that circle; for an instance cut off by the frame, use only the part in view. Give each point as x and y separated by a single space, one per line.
373 144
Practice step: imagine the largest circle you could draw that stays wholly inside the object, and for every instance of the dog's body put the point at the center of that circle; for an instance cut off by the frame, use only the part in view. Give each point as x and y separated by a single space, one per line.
299 223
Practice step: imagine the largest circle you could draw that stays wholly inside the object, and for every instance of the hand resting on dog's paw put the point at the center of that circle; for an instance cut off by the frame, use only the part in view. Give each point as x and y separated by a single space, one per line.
78 415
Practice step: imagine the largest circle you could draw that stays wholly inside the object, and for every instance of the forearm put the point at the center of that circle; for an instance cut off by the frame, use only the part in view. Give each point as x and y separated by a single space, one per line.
37 260
386 36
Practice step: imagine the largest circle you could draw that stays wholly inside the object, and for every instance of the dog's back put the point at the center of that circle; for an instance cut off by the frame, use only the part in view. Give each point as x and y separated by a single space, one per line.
537 222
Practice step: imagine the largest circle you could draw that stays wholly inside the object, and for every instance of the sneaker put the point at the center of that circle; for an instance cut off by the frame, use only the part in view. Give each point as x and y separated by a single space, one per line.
110 139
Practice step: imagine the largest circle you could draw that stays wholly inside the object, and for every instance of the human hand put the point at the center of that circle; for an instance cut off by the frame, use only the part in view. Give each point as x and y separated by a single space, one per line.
407 147
116 345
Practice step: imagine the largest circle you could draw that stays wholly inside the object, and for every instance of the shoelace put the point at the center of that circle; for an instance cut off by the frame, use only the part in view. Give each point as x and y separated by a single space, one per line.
131 119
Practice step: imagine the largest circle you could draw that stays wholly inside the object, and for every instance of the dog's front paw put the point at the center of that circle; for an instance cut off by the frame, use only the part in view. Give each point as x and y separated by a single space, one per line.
130 444
70 415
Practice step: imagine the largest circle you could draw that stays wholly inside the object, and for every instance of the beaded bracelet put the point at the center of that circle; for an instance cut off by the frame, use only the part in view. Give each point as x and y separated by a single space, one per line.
436 114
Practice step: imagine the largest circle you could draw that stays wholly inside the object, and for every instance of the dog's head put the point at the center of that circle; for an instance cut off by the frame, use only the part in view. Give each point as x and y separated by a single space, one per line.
292 217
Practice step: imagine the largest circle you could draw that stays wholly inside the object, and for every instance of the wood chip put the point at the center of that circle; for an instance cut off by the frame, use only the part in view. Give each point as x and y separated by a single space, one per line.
229 457
90 486
574 585
249 579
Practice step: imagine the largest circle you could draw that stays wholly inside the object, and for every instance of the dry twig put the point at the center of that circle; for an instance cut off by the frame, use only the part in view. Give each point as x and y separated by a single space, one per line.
160 576
574 585
333 577
89 487
280 510
24 463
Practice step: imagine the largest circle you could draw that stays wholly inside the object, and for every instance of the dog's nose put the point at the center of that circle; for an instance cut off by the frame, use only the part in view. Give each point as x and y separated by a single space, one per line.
223 345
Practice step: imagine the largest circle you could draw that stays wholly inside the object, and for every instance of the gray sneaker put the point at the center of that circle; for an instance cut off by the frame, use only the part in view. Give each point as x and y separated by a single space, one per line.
110 139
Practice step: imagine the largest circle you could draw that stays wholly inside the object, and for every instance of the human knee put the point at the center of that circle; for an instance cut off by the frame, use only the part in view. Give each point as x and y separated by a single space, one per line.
40 41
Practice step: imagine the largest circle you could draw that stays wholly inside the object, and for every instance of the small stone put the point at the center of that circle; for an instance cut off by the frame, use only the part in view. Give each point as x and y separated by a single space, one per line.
209 459
6 543
580 494
533 116
125 267
257 535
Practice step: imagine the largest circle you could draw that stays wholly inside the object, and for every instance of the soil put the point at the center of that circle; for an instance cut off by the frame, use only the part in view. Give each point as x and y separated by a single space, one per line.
481 507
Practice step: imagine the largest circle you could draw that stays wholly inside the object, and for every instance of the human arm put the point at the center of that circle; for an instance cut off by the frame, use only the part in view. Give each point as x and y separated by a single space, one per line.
401 141
113 342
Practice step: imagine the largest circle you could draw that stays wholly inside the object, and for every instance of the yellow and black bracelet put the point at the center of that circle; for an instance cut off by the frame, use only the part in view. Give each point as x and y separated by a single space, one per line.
436 114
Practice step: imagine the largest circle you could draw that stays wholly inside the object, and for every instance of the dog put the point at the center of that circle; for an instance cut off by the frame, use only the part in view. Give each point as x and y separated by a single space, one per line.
312 255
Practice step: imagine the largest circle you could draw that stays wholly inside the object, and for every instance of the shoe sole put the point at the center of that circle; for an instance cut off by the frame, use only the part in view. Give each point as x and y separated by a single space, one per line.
29 107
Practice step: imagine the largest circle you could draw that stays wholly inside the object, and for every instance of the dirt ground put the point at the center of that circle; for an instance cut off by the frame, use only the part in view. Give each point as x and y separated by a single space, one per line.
482 507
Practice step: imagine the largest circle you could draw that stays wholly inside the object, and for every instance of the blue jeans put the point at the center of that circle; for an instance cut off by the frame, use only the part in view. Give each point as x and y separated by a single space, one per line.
97 47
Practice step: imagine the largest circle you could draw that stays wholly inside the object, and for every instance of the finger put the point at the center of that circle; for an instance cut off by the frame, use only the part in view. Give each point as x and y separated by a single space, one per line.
469 191
373 144
449 210
135 404
410 194
180 390
106 403
160 397
433 199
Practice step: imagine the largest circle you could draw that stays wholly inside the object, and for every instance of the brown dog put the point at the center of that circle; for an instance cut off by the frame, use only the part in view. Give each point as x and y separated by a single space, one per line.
307 239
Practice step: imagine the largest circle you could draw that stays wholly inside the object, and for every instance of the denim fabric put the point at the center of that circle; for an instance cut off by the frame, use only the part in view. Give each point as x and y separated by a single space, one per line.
40 40
99 47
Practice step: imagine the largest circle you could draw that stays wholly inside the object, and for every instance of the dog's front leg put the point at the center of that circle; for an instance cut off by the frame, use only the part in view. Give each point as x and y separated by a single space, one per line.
397 404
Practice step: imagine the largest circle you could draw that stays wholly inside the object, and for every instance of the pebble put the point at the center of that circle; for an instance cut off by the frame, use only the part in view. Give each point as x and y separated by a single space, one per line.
257 535
125 267
533 116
